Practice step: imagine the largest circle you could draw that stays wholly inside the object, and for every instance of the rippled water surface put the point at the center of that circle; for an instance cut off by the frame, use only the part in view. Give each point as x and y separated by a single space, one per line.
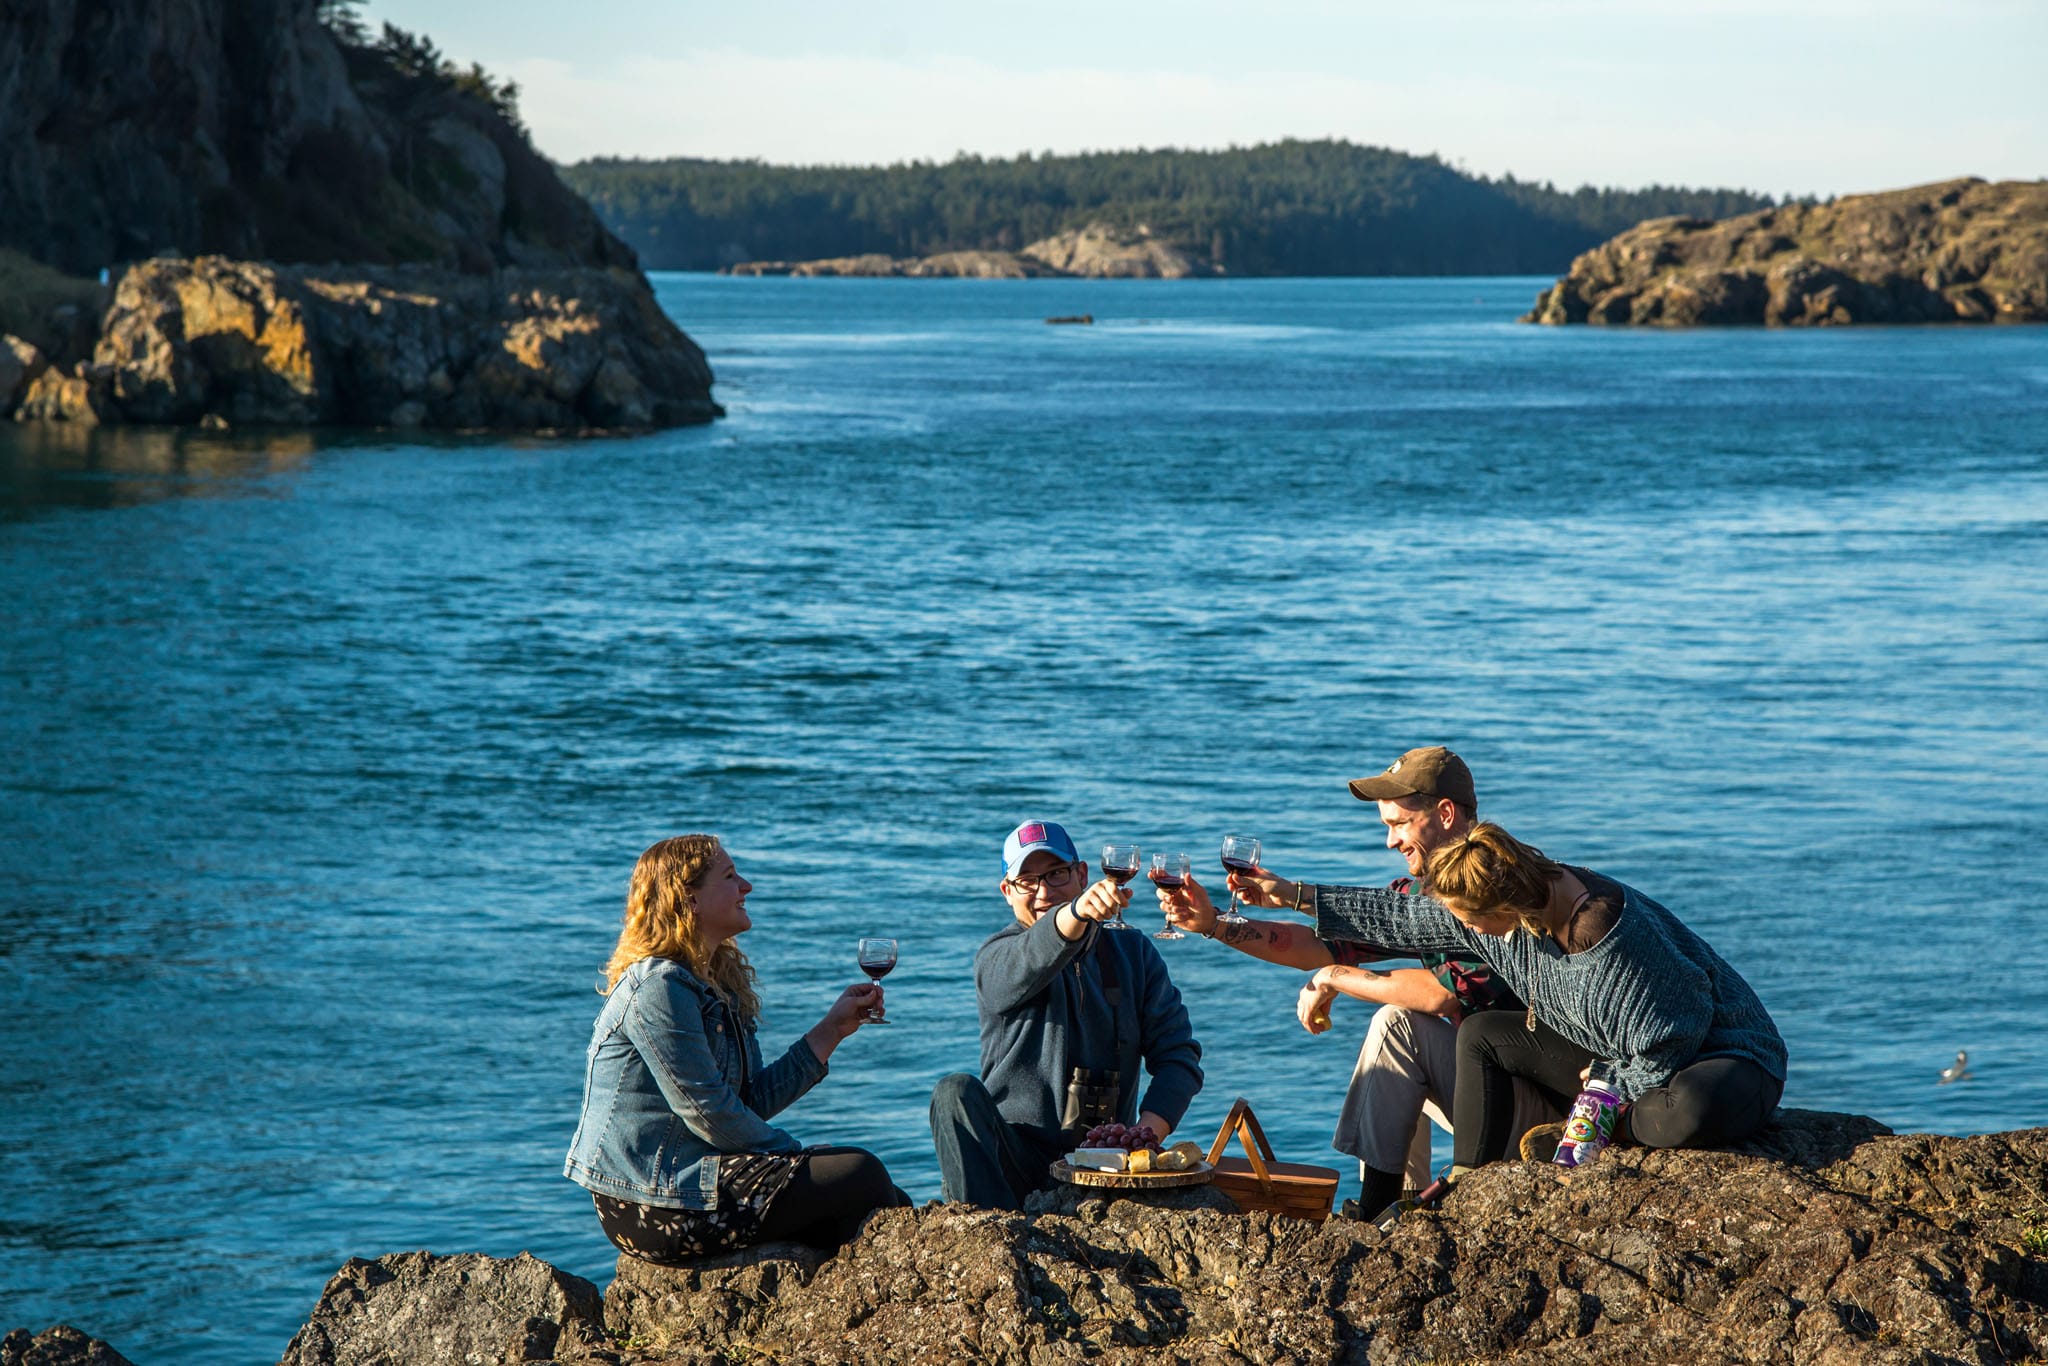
326 759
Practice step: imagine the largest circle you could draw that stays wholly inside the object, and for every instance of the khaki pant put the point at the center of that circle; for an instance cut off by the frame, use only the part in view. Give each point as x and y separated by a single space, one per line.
1407 1071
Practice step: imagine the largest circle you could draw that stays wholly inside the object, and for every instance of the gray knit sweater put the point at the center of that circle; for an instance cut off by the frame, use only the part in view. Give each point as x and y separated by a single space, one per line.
1650 997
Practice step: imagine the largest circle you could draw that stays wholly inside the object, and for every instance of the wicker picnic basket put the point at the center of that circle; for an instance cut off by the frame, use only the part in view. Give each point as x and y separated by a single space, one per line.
1257 1181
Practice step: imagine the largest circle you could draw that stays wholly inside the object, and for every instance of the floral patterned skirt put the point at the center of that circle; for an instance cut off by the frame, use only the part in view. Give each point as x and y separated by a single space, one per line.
747 1184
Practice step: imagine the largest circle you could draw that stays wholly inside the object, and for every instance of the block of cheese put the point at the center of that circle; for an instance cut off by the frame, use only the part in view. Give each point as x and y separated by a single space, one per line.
1097 1159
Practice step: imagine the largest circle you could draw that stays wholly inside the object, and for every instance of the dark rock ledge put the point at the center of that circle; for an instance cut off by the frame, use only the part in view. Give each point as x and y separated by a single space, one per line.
1960 251
1828 1243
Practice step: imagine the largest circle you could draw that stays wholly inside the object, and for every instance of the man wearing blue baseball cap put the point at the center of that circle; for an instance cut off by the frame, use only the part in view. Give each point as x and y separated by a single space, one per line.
1069 1015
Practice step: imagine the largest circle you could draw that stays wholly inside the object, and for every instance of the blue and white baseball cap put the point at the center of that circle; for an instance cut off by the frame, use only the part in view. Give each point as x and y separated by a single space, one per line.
1032 836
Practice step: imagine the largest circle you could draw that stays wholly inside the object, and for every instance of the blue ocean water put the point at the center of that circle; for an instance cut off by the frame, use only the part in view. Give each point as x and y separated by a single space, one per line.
327 758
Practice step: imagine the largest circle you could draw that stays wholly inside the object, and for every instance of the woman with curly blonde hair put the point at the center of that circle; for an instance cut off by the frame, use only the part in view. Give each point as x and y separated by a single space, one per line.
1609 974
674 1143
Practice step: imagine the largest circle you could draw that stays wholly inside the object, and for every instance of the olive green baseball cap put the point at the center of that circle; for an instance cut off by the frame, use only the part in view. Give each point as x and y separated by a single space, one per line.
1431 771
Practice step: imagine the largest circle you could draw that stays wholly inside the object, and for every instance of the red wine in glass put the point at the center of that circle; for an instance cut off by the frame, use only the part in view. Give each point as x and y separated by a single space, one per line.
1169 870
877 958
1120 863
1240 855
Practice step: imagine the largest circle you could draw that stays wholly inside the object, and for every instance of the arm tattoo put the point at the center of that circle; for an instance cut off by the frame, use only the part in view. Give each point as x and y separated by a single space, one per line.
1238 934
1281 938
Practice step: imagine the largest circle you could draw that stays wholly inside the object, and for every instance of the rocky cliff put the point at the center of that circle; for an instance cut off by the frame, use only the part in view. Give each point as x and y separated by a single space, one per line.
245 128
1961 251
227 343
1827 1242
477 291
1097 252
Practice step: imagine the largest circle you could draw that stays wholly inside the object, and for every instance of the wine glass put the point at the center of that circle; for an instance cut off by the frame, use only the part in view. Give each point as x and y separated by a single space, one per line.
877 956
1119 864
1169 870
1240 855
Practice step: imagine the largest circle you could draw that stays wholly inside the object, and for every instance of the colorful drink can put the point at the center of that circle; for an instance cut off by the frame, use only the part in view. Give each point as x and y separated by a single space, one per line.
1590 1126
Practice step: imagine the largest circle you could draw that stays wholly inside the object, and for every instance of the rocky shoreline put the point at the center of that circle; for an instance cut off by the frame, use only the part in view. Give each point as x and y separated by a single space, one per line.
1961 251
1828 1240
222 343
1098 251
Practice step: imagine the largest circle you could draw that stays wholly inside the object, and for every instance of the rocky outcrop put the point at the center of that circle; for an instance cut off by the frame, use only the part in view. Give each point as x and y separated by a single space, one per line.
59 1346
1962 251
249 132
1644 1257
417 1307
1101 252
1828 1243
218 342
244 127
1097 252
21 364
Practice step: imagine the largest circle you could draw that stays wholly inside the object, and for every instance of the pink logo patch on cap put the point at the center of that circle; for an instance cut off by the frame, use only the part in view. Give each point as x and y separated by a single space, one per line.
1033 833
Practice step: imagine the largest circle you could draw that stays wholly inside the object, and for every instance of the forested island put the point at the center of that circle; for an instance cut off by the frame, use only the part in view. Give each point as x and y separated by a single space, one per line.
1286 208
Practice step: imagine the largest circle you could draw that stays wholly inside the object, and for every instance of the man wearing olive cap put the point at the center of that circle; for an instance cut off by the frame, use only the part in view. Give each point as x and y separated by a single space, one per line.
1408 1064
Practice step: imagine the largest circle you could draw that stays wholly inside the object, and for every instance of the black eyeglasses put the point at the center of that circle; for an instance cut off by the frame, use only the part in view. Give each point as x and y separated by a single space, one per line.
1055 880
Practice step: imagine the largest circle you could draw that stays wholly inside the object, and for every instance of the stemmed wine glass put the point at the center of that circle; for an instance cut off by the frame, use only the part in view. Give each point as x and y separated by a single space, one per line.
1119 864
877 956
1240 855
1169 870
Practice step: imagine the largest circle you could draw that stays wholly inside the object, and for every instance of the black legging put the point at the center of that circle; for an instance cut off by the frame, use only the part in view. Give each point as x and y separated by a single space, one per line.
828 1197
1708 1104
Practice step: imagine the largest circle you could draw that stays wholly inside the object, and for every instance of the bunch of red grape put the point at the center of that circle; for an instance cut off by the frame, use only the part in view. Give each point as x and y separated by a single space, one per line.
1131 1138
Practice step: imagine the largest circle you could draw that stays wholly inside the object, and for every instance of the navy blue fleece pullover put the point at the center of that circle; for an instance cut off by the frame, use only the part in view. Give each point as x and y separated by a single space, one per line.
1044 1011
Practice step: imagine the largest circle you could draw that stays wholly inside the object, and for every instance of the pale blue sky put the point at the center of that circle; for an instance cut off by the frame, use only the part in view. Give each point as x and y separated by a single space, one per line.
1830 96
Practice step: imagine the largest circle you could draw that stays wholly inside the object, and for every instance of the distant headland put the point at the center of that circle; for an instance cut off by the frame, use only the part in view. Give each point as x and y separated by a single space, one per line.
1098 251
1284 208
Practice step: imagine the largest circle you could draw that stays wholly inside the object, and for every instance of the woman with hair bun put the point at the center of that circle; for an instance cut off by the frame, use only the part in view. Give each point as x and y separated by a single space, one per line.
1608 974
674 1142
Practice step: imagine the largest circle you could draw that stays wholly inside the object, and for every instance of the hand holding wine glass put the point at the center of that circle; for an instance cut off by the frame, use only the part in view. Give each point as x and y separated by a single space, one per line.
1119 864
1169 871
1240 855
877 957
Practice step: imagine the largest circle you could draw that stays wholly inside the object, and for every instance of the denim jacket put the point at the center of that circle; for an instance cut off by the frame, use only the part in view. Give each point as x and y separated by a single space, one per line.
674 1079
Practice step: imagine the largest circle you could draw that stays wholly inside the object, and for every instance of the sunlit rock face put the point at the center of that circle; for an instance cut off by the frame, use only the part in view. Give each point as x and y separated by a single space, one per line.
1961 251
219 342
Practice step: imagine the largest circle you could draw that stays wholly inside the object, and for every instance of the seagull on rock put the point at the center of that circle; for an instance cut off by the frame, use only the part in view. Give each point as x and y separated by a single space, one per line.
1957 1072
